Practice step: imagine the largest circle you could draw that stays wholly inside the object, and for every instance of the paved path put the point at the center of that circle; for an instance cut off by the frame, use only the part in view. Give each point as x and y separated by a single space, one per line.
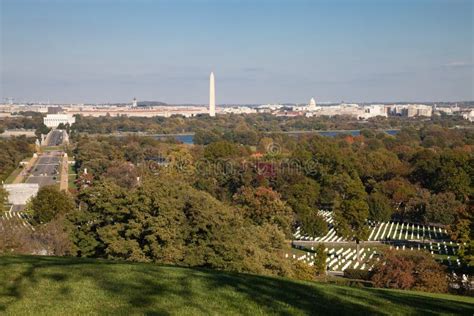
63 184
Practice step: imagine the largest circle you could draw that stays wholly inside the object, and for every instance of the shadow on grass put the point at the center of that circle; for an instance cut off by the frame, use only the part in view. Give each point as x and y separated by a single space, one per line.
159 290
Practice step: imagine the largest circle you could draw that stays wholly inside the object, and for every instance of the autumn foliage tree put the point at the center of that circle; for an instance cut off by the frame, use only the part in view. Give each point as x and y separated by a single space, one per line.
263 205
409 270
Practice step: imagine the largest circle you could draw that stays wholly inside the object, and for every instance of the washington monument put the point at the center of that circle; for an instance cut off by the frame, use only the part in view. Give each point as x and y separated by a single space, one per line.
212 96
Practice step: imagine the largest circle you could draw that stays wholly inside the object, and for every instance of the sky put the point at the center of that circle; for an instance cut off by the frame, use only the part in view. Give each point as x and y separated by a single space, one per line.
99 51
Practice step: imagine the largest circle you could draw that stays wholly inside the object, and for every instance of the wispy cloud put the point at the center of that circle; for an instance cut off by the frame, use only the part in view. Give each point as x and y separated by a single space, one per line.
459 64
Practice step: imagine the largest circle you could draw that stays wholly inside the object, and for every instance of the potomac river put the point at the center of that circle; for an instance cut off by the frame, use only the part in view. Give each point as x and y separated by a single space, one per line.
188 138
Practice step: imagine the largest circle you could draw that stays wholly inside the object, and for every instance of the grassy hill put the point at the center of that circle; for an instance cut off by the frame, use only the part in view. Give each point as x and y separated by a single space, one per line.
71 286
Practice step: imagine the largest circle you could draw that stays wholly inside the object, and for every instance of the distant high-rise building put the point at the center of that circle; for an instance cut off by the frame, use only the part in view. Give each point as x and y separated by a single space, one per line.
54 109
212 96
134 103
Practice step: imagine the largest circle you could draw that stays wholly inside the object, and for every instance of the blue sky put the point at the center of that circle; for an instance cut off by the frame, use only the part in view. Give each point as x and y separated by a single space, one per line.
260 51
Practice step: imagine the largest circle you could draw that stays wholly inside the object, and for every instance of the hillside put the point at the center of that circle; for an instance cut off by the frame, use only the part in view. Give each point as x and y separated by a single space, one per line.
51 286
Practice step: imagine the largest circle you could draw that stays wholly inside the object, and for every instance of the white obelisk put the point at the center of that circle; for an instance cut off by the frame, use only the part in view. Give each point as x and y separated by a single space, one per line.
212 96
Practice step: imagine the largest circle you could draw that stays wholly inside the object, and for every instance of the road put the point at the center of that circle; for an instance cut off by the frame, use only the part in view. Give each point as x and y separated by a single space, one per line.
56 138
43 170
46 169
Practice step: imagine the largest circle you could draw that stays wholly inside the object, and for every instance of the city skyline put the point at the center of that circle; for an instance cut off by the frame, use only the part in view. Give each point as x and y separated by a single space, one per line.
273 52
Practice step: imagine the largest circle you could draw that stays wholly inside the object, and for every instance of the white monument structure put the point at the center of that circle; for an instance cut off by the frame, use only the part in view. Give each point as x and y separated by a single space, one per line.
212 96
134 103
312 105
53 120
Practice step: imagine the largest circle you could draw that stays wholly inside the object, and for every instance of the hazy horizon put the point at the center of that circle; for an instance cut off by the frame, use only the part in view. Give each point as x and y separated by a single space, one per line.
260 51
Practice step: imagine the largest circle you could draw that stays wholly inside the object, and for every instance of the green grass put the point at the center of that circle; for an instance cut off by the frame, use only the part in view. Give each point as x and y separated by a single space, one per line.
71 176
71 286
13 175
72 181
70 169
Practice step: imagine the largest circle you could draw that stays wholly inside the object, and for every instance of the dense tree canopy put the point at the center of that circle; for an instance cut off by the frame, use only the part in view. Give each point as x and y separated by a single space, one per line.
13 150
50 203
170 222
264 206
264 182
233 200
372 176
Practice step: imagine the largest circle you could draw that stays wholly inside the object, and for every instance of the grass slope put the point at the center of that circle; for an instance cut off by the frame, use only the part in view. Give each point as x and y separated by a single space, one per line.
72 286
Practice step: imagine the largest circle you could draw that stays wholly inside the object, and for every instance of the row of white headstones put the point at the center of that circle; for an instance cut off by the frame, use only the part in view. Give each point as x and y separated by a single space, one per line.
341 259
381 231
17 219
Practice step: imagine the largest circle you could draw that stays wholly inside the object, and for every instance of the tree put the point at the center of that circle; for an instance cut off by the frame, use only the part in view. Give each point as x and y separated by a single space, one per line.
84 180
380 208
312 223
399 190
379 165
123 173
15 240
265 145
42 129
443 208
13 151
350 208
425 165
244 136
263 205
301 194
350 218
466 253
409 270
452 177
53 238
167 221
221 150
320 260
303 271
462 231
3 199
49 203
443 172
205 137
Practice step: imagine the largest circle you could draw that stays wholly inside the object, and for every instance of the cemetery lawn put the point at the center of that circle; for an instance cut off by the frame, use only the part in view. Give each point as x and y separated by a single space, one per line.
72 286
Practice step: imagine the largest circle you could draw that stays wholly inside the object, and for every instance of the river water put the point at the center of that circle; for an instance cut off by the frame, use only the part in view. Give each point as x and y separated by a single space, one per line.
189 139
